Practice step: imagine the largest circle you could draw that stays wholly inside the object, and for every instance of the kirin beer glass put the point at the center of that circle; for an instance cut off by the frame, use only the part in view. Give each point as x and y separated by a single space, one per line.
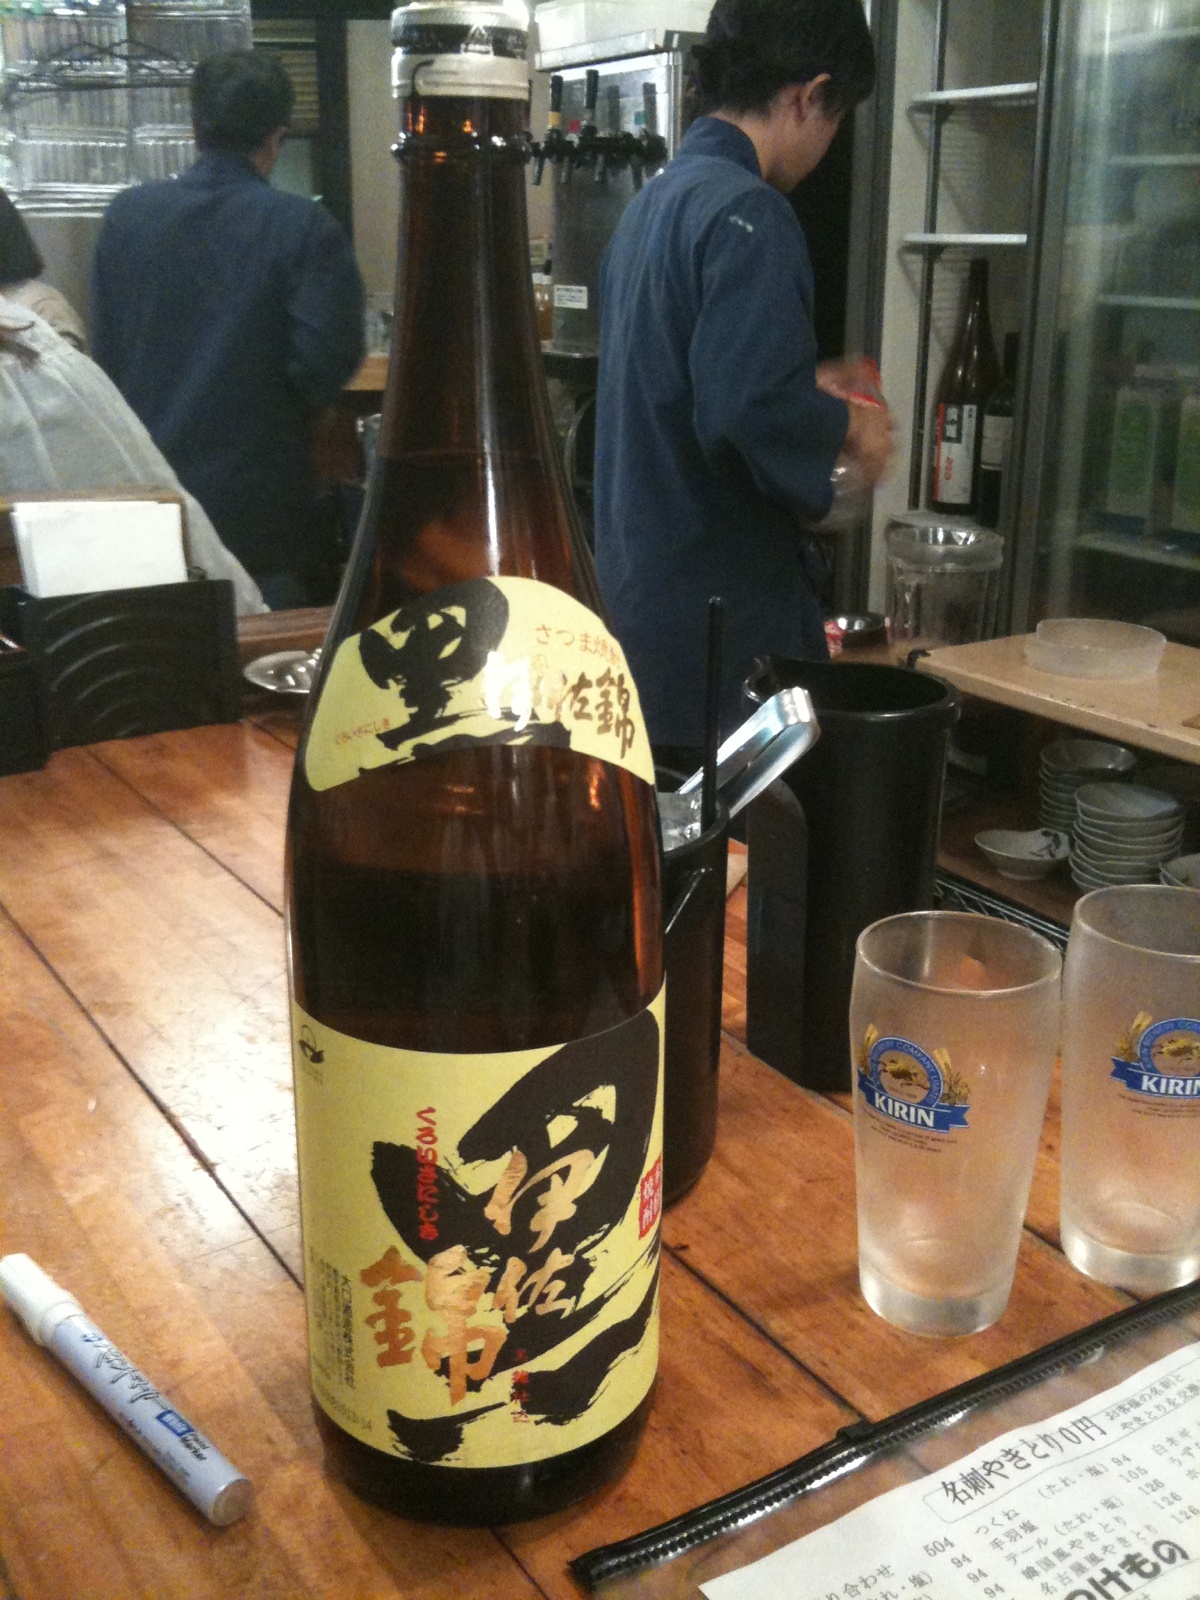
1131 1088
953 1032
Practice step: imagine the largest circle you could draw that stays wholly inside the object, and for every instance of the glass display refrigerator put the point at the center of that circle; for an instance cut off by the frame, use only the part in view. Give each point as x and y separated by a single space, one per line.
1059 140
1108 514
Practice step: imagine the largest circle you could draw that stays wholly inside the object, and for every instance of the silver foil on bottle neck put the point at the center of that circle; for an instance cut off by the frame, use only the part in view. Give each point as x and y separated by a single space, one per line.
473 48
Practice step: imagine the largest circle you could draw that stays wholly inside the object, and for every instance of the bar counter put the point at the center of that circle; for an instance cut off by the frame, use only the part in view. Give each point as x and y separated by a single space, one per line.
147 1161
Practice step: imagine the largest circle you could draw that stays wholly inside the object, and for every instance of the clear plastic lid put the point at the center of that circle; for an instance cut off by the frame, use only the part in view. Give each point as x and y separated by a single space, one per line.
930 540
1095 647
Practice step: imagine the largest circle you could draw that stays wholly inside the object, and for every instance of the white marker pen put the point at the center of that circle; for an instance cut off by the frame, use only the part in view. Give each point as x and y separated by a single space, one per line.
55 1319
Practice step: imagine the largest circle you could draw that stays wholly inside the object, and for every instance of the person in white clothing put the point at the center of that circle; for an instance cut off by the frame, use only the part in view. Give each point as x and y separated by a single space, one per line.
64 428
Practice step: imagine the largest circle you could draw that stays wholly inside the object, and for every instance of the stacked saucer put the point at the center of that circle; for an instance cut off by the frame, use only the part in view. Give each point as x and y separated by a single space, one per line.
1182 783
1123 834
1182 873
1066 766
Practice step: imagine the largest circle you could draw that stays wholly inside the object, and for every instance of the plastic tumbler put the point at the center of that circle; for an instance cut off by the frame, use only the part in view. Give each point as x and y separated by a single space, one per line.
943 581
953 1033
1131 1088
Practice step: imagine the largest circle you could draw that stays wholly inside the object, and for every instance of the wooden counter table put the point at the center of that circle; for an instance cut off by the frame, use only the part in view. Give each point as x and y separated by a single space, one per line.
147 1161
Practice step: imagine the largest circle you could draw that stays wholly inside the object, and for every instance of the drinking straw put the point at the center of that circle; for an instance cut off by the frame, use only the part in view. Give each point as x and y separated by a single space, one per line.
712 713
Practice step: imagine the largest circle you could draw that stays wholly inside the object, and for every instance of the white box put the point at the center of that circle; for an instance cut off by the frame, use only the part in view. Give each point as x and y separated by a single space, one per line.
81 546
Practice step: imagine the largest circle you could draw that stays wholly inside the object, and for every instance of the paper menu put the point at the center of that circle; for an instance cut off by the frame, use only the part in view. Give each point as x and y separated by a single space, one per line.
1099 1502
80 546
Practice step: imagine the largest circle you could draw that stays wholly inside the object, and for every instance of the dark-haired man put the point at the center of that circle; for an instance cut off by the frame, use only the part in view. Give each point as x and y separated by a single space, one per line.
228 312
715 433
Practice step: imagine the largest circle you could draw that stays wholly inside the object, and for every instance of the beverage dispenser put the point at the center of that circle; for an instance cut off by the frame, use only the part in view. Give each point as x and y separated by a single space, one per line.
615 117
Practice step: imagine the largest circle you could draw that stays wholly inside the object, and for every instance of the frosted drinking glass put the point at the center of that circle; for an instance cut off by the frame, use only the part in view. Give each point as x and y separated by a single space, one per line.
1131 1088
953 1033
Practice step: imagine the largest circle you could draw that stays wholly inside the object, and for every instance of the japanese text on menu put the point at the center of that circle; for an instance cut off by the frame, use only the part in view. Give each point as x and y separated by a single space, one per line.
1098 1503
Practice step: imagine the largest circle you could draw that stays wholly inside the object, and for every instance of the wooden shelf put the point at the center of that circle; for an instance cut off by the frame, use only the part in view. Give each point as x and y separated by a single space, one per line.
1053 896
1160 713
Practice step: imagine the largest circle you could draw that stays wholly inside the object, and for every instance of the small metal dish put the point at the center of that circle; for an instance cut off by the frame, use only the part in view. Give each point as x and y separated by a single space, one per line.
285 672
856 630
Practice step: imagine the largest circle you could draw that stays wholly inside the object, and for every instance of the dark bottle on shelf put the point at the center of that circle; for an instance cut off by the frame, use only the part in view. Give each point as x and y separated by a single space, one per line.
996 443
474 905
970 375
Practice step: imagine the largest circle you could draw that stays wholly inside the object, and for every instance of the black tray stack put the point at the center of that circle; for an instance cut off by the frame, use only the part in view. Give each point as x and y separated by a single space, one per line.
113 664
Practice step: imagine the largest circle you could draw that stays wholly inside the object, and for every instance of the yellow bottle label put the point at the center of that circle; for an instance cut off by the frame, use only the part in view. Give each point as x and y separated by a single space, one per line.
481 1239
485 661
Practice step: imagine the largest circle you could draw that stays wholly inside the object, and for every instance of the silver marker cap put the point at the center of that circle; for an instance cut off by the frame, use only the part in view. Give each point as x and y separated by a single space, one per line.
35 1297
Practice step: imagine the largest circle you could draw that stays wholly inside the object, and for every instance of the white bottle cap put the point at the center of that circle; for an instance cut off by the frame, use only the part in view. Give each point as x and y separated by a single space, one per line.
35 1297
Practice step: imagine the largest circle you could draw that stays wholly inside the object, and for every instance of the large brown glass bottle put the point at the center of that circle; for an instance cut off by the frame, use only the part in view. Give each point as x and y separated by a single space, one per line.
968 379
473 888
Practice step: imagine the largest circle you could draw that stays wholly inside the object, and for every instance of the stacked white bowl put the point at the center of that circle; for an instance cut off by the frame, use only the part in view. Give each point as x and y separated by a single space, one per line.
1123 834
1182 873
1066 766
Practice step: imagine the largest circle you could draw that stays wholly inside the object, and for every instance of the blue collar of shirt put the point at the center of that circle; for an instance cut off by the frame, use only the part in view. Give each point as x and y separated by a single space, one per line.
713 136
224 166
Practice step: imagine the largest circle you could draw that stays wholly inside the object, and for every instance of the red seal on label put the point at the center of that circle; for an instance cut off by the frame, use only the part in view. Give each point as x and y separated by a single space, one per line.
650 1200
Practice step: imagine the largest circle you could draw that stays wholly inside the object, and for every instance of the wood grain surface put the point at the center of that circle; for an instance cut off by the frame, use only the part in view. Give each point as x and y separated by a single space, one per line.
1160 713
147 1161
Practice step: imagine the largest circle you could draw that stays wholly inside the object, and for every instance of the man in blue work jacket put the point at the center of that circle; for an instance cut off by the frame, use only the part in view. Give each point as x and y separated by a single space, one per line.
715 432
228 313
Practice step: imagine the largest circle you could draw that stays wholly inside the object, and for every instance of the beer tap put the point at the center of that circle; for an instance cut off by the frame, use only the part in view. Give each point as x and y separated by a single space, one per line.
610 146
636 150
586 146
654 146
585 150
573 154
551 147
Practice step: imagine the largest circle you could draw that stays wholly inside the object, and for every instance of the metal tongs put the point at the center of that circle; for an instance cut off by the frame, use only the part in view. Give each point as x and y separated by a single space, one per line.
777 734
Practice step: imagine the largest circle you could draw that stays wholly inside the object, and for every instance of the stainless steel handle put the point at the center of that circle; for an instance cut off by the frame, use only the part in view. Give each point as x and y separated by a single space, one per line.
777 734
